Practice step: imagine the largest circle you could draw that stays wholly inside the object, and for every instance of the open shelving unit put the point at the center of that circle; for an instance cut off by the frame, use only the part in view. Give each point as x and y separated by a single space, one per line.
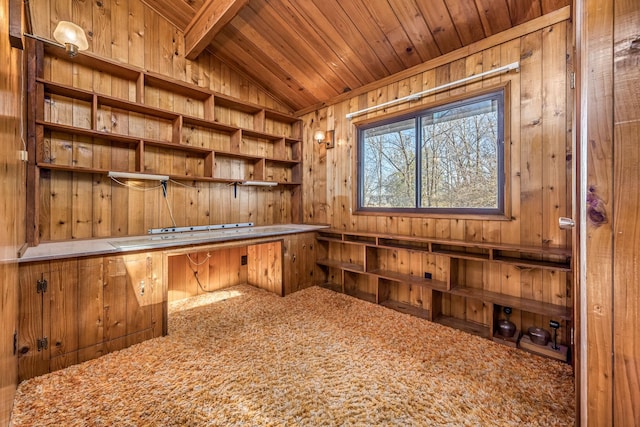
368 266
284 152
152 124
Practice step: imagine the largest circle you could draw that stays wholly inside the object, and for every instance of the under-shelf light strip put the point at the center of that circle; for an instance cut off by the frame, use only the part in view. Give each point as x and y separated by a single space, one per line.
417 96
141 176
259 183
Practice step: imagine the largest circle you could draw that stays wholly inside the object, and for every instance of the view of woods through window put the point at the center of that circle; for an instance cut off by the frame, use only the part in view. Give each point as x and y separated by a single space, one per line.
448 158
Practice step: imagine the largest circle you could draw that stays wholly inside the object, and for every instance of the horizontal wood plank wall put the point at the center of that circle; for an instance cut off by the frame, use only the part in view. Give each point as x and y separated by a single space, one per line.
540 170
80 205
12 211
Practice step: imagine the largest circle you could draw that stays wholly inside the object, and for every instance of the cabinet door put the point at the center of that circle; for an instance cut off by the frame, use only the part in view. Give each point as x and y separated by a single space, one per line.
115 299
64 309
90 313
33 321
299 262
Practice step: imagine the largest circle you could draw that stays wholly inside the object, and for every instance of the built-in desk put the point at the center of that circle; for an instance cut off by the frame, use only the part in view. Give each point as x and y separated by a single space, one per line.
82 299
116 245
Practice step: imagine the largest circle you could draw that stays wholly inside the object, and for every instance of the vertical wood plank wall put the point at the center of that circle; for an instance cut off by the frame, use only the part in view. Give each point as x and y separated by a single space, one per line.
77 205
12 209
201 272
540 169
608 39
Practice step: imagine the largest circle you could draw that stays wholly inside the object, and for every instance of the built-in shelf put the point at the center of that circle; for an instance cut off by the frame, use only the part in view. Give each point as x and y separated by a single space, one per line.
176 121
341 265
154 120
384 263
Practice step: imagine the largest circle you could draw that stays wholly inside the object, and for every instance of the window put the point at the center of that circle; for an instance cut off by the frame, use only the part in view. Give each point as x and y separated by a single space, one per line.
447 159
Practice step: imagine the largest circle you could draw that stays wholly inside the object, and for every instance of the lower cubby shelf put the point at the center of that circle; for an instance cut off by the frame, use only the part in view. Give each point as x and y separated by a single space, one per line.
407 309
463 325
365 296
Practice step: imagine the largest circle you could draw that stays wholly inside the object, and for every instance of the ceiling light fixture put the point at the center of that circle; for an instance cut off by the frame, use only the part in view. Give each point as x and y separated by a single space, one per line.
71 36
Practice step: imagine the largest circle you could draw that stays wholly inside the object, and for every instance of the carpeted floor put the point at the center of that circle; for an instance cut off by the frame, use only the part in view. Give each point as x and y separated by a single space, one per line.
242 356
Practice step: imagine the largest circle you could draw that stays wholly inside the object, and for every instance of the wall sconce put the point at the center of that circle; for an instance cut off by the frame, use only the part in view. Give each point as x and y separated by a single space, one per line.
326 138
71 36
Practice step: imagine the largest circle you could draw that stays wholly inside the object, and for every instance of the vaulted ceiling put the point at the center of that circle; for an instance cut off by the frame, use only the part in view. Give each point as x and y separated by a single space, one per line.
308 51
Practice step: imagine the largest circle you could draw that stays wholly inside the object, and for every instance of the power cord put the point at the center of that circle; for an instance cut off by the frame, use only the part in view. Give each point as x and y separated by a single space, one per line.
195 271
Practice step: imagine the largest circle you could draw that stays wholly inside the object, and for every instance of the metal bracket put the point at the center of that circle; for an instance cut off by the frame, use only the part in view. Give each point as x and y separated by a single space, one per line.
43 344
41 285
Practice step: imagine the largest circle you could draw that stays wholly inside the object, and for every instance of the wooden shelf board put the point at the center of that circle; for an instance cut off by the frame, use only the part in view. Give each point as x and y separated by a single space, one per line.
341 265
407 309
335 236
180 147
53 88
90 60
107 136
134 107
262 135
330 239
208 124
463 325
524 304
561 353
290 141
409 247
67 168
461 255
280 117
537 250
284 162
409 279
176 86
534 263
236 104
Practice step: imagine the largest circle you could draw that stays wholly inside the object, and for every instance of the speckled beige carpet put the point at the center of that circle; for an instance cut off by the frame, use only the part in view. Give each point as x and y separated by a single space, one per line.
242 356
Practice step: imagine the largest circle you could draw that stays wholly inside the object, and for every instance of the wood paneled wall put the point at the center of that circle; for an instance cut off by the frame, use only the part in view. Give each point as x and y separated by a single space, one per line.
12 210
608 38
201 272
540 161
81 205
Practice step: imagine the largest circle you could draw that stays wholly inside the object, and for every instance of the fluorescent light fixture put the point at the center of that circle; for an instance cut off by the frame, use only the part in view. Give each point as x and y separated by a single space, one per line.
141 176
259 183
417 96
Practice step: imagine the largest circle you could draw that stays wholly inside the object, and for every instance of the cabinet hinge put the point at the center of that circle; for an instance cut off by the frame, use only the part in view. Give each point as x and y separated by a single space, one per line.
41 285
43 343
15 342
572 342
572 80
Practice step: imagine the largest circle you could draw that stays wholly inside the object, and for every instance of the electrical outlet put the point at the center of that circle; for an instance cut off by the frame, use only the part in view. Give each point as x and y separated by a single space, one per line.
243 260
141 288
427 275
23 155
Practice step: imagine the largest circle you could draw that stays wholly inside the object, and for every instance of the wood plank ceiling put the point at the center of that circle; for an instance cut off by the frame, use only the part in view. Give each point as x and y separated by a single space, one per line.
306 52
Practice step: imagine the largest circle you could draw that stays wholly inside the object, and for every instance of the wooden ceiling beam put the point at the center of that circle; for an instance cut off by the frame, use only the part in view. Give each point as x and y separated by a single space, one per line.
208 22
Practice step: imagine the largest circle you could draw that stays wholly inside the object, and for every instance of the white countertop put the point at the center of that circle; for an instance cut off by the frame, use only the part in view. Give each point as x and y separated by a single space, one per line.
114 245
